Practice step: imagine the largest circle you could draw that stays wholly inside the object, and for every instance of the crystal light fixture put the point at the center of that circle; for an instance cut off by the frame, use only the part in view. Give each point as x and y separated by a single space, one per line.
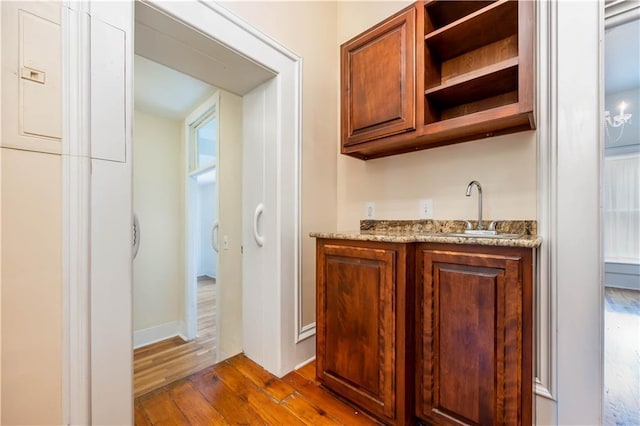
616 121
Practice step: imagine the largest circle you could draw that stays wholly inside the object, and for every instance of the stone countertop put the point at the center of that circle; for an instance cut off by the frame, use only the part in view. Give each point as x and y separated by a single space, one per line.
433 231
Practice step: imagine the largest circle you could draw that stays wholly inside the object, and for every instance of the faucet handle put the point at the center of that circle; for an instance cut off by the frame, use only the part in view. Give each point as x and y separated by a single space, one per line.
469 225
492 225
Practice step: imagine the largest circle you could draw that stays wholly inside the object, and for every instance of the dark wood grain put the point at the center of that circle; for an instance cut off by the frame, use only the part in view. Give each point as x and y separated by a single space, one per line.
474 362
363 352
442 13
378 80
494 22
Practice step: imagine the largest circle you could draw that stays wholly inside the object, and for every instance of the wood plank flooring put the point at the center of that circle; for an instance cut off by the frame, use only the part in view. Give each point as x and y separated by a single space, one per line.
622 357
165 362
238 391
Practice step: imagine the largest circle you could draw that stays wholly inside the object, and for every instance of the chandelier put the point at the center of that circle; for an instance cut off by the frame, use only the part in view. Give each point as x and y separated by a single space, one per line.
617 121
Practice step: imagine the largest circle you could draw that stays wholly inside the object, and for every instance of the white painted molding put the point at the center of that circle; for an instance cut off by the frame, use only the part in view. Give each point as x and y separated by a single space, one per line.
158 333
546 137
303 363
303 331
306 331
76 170
620 12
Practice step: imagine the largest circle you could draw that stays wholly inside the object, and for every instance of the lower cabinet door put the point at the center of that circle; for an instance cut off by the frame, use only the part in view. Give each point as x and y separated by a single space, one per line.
470 338
356 326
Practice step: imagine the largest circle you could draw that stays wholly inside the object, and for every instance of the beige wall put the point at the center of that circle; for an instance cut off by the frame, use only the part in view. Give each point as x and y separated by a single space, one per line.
229 300
158 200
309 29
31 287
505 166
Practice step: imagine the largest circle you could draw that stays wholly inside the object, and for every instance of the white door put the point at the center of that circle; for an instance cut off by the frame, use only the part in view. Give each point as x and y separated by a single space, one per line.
260 239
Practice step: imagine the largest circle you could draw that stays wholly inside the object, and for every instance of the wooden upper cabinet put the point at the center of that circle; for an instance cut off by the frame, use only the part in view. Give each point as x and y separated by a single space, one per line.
474 77
364 300
378 81
474 336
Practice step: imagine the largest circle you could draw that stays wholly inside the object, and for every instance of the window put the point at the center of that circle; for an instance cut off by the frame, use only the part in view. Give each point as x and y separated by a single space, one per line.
203 139
622 208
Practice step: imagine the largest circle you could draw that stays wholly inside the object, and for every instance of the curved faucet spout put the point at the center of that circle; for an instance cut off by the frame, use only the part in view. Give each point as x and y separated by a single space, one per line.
469 188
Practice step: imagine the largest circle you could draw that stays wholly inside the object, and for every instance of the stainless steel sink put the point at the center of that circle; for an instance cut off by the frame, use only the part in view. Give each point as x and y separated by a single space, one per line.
482 235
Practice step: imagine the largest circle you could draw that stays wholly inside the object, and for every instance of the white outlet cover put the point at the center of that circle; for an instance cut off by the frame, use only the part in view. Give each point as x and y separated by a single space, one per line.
425 209
370 210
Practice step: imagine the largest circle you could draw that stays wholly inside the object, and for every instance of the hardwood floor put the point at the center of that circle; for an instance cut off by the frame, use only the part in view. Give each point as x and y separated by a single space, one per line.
622 357
165 362
238 391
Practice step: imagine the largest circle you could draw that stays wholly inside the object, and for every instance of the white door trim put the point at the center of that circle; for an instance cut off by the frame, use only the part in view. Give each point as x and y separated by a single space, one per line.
547 140
76 169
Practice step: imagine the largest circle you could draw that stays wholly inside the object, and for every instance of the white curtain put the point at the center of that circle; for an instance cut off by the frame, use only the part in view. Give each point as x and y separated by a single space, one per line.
622 209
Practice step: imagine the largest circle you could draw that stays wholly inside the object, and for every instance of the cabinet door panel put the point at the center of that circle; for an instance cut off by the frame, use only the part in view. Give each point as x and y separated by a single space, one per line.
470 338
356 325
378 81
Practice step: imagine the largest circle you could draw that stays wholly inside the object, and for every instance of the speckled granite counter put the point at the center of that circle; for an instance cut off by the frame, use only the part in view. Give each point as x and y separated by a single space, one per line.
433 231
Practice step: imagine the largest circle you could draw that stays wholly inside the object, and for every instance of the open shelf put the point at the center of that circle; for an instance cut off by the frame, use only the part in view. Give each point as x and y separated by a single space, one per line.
486 82
441 13
494 22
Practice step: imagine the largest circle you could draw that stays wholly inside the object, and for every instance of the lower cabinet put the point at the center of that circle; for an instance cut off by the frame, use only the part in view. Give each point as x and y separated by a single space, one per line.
364 325
427 333
474 341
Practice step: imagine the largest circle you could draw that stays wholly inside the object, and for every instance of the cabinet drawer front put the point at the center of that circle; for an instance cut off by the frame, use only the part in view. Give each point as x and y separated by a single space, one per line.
471 338
357 331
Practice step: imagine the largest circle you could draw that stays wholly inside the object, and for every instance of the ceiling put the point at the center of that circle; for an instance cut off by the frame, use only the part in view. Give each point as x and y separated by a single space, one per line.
165 92
167 41
622 57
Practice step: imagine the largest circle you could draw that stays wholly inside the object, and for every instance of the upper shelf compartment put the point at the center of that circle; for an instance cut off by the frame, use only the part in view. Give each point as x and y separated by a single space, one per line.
494 22
442 13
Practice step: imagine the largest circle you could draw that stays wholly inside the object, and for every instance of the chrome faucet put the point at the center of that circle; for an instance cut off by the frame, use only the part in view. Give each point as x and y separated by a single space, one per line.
469 188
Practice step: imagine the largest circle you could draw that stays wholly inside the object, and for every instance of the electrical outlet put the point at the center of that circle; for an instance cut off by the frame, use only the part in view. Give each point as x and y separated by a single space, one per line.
225 242
370 210
425 209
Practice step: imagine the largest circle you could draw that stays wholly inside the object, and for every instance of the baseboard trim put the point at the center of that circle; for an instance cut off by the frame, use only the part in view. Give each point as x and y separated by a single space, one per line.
161 332
303 363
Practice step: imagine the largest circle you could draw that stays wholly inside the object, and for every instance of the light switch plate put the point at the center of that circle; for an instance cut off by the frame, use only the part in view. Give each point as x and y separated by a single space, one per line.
425 207
369 210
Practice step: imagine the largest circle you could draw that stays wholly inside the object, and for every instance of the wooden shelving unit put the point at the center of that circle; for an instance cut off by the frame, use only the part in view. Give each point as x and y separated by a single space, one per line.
471 58
474 76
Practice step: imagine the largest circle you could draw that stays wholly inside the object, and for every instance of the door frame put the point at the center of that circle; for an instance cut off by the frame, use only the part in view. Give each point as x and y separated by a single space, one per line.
217 23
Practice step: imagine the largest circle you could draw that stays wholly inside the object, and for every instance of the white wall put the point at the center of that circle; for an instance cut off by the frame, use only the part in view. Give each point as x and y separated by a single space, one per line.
158 200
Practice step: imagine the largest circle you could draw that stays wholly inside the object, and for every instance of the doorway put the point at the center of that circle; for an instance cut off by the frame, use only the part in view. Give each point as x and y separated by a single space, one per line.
621 222
167 242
